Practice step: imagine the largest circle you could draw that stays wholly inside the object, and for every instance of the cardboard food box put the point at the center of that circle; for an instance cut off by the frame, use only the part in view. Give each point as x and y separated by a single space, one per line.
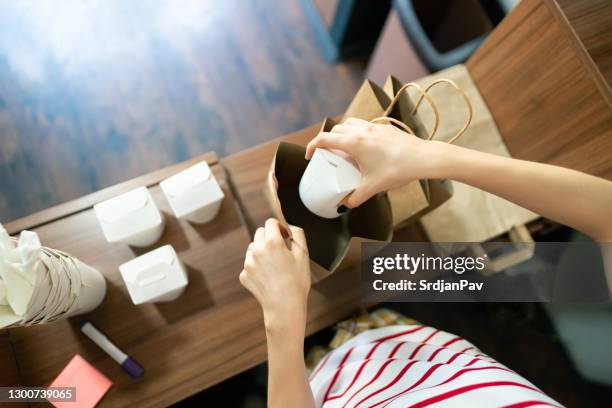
157 276
131 218
329 177
194 194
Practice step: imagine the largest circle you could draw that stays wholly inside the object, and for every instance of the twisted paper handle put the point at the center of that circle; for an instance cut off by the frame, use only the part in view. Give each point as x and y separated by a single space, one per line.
425 95
394 121
465 98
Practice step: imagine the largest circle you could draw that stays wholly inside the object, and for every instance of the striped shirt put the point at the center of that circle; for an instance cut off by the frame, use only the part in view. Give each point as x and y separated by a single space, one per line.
418 366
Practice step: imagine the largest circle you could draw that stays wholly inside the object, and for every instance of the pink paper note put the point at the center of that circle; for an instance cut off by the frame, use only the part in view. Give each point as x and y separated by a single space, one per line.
91 385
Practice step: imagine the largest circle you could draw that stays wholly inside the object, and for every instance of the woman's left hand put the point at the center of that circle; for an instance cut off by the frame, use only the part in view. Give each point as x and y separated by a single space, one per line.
278 276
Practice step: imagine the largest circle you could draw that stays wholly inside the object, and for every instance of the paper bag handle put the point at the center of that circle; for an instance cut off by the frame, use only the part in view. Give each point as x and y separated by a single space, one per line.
399 123
465 98
416 106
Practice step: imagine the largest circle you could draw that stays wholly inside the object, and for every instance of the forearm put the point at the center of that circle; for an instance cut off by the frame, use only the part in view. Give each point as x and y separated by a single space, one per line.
288 384
572 198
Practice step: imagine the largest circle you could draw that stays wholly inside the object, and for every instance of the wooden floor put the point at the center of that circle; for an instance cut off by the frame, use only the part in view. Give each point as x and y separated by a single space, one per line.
93 93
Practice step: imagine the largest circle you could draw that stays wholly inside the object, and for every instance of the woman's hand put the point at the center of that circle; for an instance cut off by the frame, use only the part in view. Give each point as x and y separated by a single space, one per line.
387 156
278 276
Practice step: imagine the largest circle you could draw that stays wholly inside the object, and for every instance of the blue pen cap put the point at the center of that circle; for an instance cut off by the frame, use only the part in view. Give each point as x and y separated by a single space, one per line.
131 367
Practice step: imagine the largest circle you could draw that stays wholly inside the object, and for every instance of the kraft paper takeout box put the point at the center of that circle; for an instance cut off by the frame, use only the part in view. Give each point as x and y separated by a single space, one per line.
329 177
194 194
131 218
157 276
333 244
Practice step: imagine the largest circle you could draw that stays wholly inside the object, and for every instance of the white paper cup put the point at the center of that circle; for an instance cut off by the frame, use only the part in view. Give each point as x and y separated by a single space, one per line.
329 177
93 290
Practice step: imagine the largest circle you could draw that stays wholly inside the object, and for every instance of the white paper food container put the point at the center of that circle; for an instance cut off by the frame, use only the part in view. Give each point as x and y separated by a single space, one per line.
131 218
329 177
194 194
157 276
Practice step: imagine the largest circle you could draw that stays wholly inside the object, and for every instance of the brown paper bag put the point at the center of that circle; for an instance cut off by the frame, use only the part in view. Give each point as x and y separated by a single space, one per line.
407 206
415 199
333 244
369 103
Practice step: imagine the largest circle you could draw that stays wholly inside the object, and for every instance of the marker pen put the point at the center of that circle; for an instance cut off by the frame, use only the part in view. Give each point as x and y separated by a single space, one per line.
130 366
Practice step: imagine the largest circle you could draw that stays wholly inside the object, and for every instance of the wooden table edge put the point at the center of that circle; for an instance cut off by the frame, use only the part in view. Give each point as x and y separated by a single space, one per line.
581 51
79 204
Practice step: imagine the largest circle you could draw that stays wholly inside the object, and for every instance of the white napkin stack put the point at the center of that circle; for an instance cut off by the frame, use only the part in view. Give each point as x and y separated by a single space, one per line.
39 285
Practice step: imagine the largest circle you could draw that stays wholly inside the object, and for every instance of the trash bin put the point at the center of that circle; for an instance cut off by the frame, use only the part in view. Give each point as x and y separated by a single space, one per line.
424 36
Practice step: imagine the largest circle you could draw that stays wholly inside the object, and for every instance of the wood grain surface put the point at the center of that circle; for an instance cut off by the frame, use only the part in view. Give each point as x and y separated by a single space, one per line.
546 95
592 22
9 370
211 332
93 93
248 171
70 207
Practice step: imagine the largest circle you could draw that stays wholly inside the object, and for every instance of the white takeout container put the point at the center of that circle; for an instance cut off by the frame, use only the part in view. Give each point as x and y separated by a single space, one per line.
157 276
131 218
194 194
329 177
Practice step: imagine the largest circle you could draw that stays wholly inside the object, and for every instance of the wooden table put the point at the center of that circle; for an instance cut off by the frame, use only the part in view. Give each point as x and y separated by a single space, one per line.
545 73
333 298
213 331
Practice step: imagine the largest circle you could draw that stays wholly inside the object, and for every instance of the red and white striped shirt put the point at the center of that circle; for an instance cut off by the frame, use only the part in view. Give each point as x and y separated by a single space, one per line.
418 366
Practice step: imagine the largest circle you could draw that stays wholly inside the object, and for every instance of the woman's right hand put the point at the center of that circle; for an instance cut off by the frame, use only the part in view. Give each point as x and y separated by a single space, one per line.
387 156
279 277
